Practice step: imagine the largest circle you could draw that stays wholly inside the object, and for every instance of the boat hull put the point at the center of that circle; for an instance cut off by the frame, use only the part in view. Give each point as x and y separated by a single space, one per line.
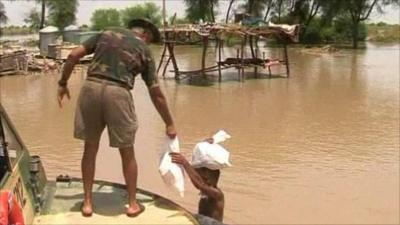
64 200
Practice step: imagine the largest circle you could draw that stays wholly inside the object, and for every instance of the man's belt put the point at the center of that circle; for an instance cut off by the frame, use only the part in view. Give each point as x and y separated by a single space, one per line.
109 80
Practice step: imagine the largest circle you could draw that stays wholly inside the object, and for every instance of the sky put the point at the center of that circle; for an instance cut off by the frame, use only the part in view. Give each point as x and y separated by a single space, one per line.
17 10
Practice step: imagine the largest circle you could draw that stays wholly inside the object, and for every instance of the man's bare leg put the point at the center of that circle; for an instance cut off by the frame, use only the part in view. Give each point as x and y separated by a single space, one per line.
130 169
88 166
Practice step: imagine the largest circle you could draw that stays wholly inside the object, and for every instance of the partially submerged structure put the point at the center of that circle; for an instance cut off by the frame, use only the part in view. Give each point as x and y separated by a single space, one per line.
46 55
13 62
218 32
53 46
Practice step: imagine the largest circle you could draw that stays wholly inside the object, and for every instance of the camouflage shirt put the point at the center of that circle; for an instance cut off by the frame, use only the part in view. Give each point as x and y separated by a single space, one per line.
119 56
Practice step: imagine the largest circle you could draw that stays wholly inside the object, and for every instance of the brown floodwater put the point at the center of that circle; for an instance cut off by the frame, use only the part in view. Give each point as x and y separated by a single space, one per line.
321 147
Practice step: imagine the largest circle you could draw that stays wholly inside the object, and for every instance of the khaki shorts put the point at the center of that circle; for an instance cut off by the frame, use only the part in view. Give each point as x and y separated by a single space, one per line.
102 104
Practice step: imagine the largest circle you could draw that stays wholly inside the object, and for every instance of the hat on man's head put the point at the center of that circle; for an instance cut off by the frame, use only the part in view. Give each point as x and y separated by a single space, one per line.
147 25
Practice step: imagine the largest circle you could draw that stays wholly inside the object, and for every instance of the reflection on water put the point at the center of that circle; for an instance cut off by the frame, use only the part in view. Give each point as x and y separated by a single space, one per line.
320 147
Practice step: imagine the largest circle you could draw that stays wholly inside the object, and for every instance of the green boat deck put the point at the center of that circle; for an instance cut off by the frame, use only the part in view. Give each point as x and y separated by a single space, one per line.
64 199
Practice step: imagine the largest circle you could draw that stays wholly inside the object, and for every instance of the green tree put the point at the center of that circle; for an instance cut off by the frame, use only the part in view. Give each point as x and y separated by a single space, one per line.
43 13
330 10
277 9
102 18
344 29
265 8
255 7
3 16
33 20
147 10
178 20
84 27
62 12
359 11
228 11
200 9
269 6
303 11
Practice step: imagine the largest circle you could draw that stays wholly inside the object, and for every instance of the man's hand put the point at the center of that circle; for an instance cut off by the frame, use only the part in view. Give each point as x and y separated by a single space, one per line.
170 131
60 94
179 159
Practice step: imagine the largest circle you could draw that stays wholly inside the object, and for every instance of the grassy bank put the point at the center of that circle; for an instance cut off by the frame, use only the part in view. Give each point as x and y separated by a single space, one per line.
382 32
17 30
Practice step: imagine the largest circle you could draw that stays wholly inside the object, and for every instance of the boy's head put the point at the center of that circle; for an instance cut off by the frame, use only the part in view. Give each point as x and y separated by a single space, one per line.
209 176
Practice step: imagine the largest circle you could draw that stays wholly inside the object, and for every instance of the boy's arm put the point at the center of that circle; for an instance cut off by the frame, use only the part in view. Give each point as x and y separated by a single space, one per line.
196 178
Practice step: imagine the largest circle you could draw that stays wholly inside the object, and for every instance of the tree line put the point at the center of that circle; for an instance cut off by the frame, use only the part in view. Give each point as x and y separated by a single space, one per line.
53 12
320 20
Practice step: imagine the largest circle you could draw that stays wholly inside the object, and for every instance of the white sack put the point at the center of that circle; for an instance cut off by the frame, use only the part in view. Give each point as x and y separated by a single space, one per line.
220 136
212 156
172 173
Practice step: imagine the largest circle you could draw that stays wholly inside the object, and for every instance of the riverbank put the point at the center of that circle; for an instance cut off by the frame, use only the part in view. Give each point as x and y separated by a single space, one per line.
17 30
376 32
382 32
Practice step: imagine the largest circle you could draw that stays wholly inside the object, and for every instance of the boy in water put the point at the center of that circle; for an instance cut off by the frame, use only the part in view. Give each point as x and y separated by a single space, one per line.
212 199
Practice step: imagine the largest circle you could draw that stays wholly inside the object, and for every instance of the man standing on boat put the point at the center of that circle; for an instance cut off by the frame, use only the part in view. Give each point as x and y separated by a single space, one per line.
105 99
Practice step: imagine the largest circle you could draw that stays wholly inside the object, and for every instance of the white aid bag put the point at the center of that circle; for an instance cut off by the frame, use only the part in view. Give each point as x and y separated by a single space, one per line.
220 136
172 173
212 156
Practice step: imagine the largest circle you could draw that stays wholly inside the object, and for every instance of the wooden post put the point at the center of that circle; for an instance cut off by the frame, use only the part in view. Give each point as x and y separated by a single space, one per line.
162 58
219 60
17 64
242 58
164 16
166 66
286 59
237 57
166 37
269 68
203 57
269 71
253 54
251 47
256 68
27 65
170 47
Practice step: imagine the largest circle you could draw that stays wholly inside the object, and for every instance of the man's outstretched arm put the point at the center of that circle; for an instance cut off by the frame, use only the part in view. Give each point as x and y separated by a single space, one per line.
160 103
72 60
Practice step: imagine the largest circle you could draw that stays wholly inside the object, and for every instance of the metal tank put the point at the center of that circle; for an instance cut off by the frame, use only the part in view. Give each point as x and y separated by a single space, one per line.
47 35
71 34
